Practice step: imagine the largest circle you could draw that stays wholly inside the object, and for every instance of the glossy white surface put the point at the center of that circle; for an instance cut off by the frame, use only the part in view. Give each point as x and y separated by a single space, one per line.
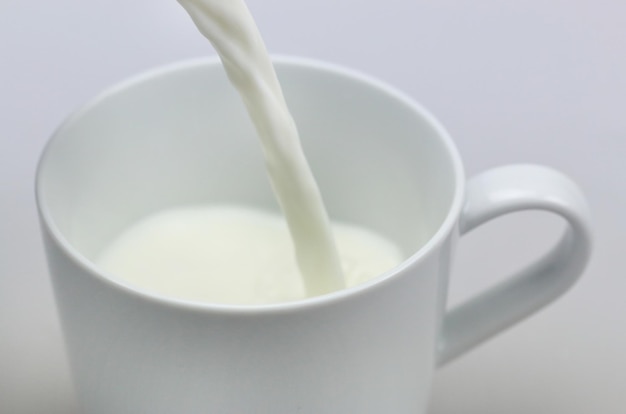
156 142
533 81
505 190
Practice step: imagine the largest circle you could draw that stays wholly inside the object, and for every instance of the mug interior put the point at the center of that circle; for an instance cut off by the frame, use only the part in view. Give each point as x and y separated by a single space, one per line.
180 136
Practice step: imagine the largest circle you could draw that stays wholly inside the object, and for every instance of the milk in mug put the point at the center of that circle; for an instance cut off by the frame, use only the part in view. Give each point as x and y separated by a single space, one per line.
235 254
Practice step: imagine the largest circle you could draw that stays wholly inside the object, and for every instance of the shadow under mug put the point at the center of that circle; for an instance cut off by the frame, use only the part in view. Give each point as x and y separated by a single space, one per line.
179 135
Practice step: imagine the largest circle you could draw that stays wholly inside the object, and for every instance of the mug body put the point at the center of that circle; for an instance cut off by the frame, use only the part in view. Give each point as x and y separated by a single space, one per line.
180 136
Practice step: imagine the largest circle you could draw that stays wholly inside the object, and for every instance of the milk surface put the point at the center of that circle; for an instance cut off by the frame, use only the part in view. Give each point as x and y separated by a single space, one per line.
232 255
229 26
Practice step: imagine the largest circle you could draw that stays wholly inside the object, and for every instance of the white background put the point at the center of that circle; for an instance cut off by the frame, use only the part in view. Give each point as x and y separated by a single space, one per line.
539 81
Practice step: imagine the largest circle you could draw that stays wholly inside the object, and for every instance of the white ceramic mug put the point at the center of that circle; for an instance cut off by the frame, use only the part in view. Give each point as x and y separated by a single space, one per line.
180 135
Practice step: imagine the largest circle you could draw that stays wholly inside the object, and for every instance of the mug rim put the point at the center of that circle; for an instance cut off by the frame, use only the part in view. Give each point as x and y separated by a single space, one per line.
436 239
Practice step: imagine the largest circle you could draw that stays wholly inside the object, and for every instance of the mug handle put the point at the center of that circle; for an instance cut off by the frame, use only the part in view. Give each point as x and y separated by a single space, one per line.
501 191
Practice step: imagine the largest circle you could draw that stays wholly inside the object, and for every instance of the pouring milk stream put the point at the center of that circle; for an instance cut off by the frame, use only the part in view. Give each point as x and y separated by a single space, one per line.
236 254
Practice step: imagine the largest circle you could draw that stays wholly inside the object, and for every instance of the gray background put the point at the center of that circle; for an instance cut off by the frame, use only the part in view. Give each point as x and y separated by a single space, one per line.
529 81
